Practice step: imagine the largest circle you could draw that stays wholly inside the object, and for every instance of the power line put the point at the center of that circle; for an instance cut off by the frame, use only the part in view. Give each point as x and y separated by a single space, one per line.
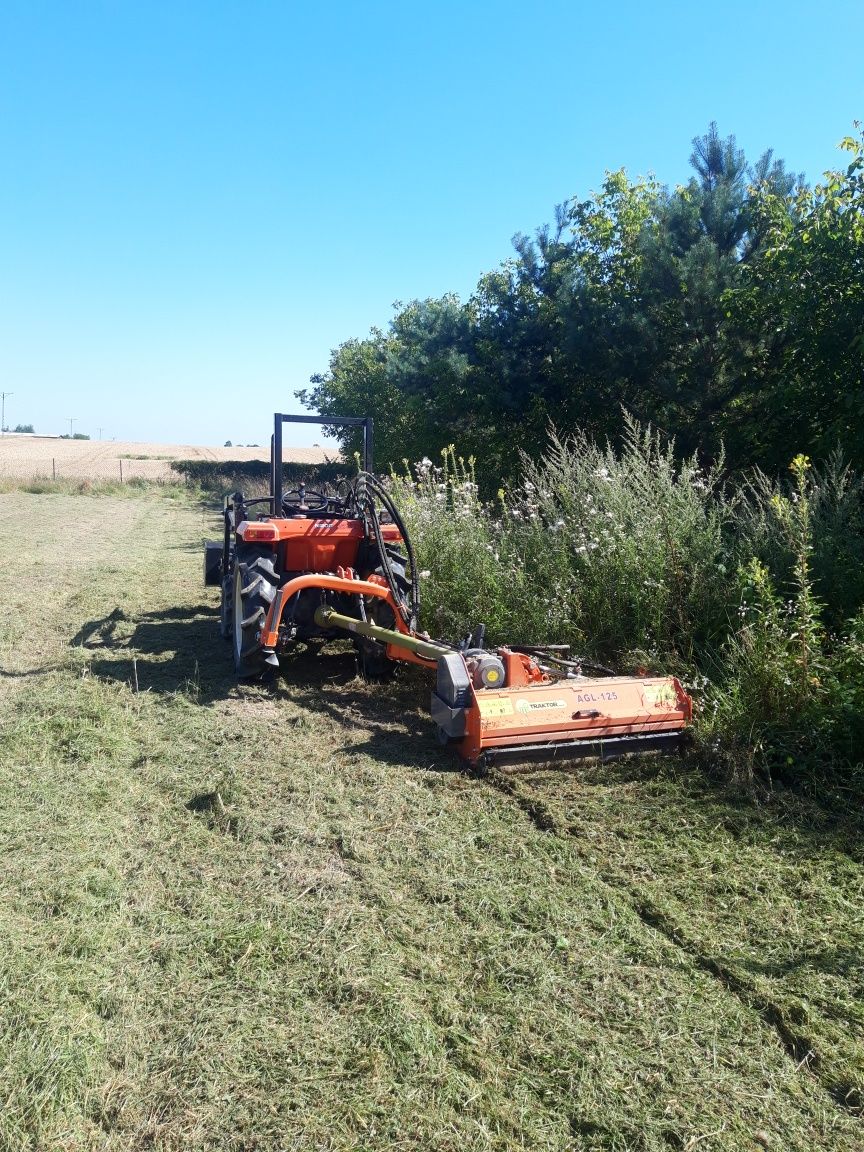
3 412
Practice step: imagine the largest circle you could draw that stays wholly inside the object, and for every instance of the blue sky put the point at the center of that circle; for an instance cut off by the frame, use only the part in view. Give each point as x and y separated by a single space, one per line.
198 200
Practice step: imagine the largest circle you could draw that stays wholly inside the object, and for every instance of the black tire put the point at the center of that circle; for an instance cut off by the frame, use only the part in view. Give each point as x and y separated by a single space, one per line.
226 603
372 661
213 562
379 612
373 664
398 566
254 589
226 607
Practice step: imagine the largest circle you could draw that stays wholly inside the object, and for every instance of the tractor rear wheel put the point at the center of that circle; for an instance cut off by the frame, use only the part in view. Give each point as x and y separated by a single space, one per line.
372 660
255 584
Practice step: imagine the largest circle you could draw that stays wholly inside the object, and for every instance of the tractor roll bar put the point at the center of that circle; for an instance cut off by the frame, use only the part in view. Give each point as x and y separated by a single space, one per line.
280 418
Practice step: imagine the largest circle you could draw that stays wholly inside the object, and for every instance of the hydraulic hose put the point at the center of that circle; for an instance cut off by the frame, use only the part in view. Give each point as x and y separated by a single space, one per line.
366 494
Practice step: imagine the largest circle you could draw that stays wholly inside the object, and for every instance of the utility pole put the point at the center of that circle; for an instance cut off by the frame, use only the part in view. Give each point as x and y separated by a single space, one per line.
100 431
3 412
72 420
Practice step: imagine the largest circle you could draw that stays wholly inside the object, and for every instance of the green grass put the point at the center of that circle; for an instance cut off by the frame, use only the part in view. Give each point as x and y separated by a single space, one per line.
246 918
45 485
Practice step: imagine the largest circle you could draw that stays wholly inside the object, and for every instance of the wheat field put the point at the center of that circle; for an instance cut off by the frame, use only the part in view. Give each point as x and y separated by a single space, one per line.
26 457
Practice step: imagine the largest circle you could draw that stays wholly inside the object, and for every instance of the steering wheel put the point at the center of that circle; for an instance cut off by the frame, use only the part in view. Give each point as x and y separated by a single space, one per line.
302 500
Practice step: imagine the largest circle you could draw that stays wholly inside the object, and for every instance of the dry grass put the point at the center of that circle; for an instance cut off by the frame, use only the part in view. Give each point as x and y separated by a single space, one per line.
25 457
279 919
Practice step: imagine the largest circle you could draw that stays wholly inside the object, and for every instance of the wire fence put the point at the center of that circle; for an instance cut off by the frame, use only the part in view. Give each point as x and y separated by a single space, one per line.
54 468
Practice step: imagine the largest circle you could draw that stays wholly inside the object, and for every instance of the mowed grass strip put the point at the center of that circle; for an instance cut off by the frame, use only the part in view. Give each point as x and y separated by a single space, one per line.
768 898
278 919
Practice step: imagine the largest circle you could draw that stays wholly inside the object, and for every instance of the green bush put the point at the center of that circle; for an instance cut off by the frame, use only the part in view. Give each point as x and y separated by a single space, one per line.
638 559
836 510
252 476
787 697
848 664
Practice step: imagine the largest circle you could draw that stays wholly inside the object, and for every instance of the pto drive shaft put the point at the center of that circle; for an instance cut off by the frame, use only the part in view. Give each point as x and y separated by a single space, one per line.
326 617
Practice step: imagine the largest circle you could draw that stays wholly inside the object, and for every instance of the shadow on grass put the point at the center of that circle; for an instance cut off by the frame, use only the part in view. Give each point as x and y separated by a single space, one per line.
25 673
846 962
168 651
180 650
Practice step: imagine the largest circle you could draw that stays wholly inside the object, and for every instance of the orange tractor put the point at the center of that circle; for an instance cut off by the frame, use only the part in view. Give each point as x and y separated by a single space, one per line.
299 564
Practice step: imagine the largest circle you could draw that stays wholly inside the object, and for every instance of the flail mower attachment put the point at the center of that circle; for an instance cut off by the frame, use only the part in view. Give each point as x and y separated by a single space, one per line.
315 565
530 711
495 706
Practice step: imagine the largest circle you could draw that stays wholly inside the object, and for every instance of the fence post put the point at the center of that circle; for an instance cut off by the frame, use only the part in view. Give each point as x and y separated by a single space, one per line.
121 471
53 469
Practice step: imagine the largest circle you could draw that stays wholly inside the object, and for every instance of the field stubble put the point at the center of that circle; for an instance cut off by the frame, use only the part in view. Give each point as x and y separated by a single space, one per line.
25 458
241 918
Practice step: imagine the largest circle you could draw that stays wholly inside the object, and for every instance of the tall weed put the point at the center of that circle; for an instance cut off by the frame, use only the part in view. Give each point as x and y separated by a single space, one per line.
772 678
836 510
642 536
472 559
623 555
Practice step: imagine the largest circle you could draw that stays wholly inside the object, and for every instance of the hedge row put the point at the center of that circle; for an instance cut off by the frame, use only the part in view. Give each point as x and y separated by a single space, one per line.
225 475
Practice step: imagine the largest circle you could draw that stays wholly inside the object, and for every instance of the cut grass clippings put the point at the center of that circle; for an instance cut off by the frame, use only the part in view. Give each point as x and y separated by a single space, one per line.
241 918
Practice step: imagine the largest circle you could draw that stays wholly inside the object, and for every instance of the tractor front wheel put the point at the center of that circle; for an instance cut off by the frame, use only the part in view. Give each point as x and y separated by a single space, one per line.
255 584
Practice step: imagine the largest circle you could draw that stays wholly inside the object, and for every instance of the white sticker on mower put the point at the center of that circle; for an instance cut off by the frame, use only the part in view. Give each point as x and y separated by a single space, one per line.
539 705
